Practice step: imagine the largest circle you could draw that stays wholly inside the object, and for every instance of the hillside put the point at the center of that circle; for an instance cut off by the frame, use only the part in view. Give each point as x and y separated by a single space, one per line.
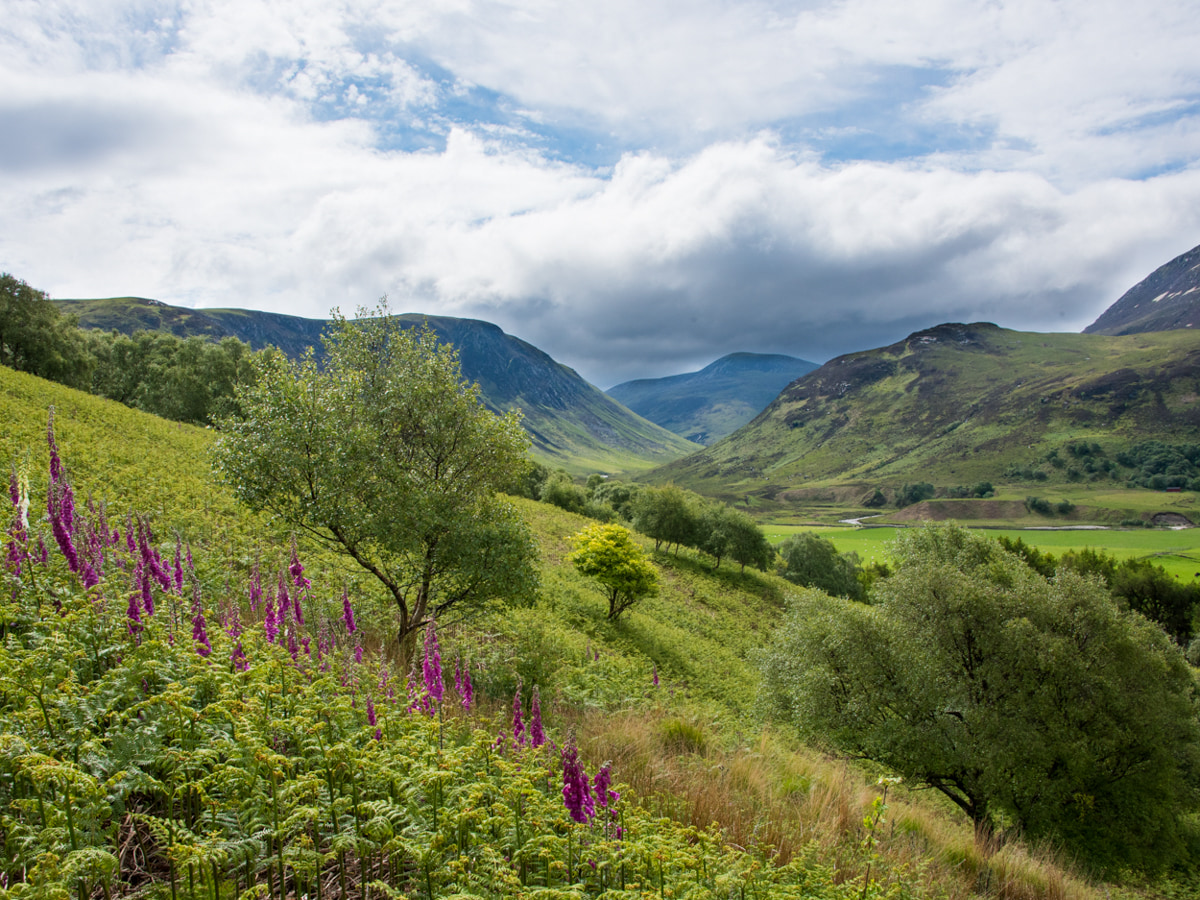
571 423
952 405
1167 299
705 406
666 696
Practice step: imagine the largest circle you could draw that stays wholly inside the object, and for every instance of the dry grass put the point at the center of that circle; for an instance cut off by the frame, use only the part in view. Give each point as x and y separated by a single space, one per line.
784 801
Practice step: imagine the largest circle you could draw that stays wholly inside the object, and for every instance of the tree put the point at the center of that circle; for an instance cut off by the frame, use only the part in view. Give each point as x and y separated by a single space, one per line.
1026 701
36 338
609 554
668 514
814 561
726 531
388 456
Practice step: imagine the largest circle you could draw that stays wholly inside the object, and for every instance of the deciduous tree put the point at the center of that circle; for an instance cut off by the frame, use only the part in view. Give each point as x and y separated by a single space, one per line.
608 554
1032 702
388 456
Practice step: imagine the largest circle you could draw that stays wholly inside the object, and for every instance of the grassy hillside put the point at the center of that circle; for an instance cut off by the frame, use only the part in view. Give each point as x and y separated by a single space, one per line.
954 405
570 423
686 753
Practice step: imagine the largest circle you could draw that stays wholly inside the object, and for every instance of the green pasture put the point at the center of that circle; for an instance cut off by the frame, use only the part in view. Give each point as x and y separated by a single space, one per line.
1176 551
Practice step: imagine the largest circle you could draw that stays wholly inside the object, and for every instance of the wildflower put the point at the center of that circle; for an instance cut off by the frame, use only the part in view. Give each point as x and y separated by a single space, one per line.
655 678
297 571
178 566
518 728
358 651
537 737
347 612
200 633
577 795
432 668
270 623
370 712
468 691
602 783
134 612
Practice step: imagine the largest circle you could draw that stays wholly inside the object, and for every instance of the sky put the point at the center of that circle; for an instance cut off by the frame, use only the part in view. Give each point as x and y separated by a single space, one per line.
637 187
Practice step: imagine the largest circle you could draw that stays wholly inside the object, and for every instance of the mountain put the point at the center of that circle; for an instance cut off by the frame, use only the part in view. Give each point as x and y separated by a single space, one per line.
953 405
570 422
1167 299
705 406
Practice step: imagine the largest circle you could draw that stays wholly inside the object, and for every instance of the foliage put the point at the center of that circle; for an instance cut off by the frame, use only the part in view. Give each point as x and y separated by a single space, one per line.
669 515
1032 702
135 755
608 554
914 493
813 561
188 380
389 458
36 338
730 532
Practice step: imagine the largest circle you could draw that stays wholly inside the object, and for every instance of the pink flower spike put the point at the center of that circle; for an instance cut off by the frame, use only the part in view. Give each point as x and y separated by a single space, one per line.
537 737
347 612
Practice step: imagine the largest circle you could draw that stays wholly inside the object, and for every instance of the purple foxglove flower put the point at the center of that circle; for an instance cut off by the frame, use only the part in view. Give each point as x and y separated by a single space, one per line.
256 591
14 487
270 623
347 612
297 571
55 462
134 612
371 712
200 633
518 727
178 566
605 797
432 668
379 734
43 555
537 737
292 646
655 677
283 601
577 795
143 581
238 657
468 691
358 654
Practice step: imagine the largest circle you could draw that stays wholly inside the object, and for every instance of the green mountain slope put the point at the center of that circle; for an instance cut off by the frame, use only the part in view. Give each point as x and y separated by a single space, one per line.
571 423
952 405
705 406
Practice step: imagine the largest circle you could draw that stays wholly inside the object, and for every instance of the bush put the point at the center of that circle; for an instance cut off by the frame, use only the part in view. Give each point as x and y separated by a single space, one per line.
914 493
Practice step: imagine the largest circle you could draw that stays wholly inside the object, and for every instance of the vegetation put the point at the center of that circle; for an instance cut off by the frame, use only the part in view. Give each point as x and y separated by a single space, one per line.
387 456
1034 705
608 554
35 338
957 405
812 561
690 752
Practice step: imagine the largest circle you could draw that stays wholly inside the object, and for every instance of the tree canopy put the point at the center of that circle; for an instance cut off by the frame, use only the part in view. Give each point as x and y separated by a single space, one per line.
1033 703
388 456
609 554
36 338
814 561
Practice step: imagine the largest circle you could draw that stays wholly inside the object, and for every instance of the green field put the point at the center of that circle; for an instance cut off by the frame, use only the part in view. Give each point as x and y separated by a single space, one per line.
1176 551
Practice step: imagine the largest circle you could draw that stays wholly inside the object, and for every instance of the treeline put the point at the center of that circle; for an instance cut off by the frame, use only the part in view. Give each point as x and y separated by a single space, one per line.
183 379
670 515
1148 464
1137 584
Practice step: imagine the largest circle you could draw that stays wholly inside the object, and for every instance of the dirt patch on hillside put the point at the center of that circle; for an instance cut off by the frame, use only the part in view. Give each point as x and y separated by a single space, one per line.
1172 520
941 510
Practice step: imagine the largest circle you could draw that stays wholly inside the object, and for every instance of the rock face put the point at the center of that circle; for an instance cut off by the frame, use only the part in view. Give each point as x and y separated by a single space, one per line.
1166 300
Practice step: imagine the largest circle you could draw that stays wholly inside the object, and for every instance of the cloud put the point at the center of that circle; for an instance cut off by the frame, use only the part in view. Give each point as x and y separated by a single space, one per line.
635 188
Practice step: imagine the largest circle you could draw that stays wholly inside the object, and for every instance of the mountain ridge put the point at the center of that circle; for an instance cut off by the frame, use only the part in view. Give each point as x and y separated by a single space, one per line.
1166 299
571 423
705 406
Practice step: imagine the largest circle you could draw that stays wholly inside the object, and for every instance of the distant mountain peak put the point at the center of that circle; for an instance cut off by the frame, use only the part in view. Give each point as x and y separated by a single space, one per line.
1167 299
705 406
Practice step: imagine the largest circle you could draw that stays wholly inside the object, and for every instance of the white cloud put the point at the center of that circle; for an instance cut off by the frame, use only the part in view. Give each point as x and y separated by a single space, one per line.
224 154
